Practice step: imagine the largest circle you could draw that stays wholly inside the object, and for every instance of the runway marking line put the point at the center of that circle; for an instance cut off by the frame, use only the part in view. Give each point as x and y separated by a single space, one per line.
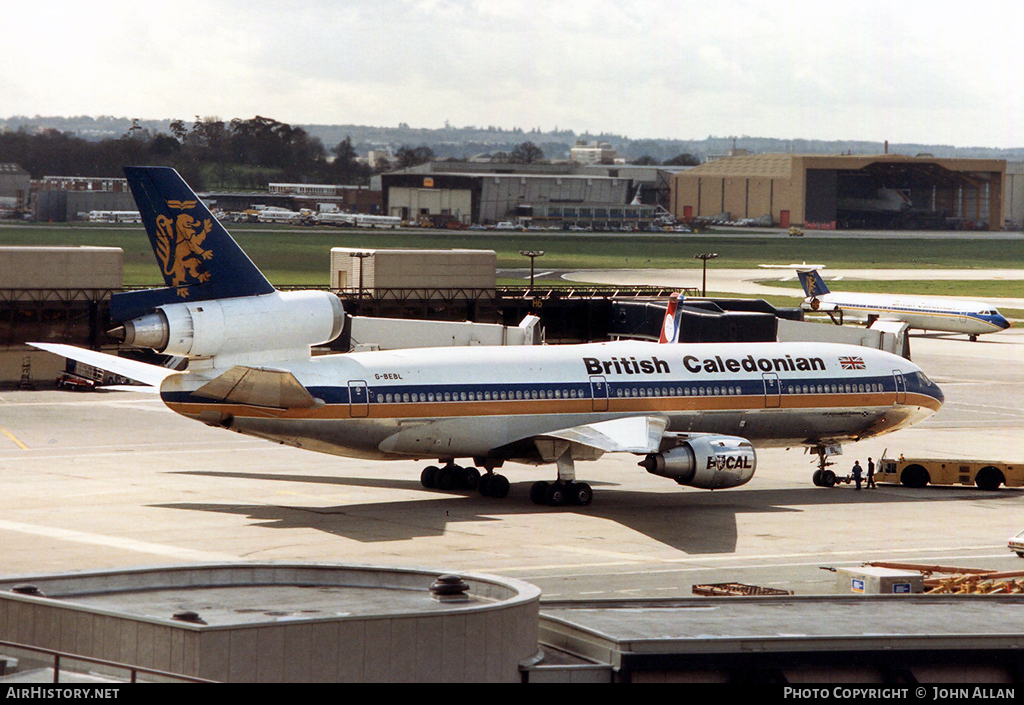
13 438
115 542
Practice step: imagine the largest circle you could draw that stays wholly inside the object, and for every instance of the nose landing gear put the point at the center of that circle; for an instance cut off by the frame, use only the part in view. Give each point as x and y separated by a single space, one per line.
823 477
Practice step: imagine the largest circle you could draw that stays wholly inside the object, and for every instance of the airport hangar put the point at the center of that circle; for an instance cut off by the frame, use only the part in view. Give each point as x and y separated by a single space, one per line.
886 191
544 195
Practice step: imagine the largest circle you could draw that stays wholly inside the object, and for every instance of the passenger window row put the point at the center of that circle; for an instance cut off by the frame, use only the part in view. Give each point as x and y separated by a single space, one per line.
621 392
408 397
834 388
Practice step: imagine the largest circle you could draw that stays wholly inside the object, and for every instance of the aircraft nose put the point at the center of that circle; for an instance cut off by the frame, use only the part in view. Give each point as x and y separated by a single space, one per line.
1002 322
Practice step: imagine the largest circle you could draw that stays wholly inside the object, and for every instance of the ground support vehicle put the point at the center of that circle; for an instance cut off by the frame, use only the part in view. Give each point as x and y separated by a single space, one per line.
918 472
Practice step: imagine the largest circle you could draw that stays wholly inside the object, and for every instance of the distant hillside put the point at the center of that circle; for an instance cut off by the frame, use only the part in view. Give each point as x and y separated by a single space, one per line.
461 142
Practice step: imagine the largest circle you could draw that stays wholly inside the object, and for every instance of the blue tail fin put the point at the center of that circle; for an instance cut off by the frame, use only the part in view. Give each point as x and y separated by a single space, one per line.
812 283
197 257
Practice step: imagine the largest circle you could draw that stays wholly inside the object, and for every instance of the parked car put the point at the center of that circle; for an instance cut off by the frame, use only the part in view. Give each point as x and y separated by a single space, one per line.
1016 544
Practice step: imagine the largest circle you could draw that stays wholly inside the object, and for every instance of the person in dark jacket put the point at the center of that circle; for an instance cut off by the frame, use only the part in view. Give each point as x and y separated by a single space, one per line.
871 475
857 472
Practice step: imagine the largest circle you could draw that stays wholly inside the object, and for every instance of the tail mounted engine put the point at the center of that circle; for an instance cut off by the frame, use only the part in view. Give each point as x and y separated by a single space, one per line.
287 320
708 462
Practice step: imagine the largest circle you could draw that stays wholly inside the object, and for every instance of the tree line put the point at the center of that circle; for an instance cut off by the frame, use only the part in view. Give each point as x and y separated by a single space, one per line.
209 153
213 154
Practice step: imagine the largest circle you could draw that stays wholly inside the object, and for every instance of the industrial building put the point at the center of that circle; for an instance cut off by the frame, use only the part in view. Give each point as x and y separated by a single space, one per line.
886 191
551 197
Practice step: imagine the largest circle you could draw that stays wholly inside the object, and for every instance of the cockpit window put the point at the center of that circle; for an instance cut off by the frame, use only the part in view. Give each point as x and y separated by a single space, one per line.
923 379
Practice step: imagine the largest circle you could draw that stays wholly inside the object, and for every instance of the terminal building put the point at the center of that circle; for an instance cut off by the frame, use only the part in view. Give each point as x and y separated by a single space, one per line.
886 191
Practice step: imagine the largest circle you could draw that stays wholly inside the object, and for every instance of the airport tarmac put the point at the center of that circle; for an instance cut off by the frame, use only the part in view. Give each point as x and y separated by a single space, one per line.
112 479
750 281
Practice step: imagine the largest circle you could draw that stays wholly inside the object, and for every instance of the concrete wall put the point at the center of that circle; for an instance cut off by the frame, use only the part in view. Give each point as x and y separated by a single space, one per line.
480 642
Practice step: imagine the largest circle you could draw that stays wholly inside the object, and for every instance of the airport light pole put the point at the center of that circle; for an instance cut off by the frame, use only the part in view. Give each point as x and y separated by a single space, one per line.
360 256
532 254
704 282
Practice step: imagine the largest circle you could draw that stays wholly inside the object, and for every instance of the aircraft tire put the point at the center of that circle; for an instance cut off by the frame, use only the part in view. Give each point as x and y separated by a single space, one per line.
447 476
428 478
579 493
828 478
499 487
538 492
484 485
555 495
470 478
816 478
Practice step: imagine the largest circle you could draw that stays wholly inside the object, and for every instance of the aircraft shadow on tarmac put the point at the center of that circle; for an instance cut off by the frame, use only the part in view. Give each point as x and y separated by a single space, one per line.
689 521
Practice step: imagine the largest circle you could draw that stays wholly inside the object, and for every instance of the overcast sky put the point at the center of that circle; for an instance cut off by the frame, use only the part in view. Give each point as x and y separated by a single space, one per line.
933 72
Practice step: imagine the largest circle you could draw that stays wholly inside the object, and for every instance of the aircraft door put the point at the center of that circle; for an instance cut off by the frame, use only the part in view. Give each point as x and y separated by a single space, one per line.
772 390
358 399
599 393
901 387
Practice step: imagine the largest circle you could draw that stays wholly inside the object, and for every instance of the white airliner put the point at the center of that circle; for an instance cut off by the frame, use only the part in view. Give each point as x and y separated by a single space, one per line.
692 412
939 314
803 265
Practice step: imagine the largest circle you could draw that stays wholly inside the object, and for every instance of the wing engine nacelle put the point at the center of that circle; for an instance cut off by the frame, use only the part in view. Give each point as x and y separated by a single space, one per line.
709 462
282 320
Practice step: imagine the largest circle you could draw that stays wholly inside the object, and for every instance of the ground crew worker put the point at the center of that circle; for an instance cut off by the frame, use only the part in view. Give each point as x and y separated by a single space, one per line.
857 471
871 475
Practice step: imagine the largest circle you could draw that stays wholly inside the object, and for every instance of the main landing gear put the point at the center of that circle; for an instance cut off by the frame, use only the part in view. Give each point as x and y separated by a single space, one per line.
565 490
562 492
454 477
558 493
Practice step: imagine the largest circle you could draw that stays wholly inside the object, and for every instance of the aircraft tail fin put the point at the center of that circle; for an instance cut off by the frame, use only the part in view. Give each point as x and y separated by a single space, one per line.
198 259
670 327
812 283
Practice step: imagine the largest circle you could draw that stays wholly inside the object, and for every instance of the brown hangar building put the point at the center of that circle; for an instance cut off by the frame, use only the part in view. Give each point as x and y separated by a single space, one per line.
886 191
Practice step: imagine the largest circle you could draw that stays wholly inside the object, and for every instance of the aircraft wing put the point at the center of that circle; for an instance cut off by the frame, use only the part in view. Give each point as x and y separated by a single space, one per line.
633 434
143 372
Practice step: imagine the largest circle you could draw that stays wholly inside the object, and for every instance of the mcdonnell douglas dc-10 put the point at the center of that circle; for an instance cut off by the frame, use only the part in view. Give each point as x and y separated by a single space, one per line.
692 412
940 314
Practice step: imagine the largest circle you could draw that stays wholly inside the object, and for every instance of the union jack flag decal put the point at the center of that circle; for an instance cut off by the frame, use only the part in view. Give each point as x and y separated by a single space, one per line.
852 363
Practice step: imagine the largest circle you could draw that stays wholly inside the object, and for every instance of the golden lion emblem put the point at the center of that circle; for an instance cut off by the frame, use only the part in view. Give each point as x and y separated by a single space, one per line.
179 245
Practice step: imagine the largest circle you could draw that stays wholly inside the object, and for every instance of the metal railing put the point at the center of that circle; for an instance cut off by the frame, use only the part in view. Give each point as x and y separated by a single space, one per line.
133 671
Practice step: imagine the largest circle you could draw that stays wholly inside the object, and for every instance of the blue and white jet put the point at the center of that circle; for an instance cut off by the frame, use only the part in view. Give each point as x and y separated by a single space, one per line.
943 314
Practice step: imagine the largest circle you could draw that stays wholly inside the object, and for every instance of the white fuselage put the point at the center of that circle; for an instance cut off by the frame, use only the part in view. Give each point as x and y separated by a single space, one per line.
489 402
938 314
